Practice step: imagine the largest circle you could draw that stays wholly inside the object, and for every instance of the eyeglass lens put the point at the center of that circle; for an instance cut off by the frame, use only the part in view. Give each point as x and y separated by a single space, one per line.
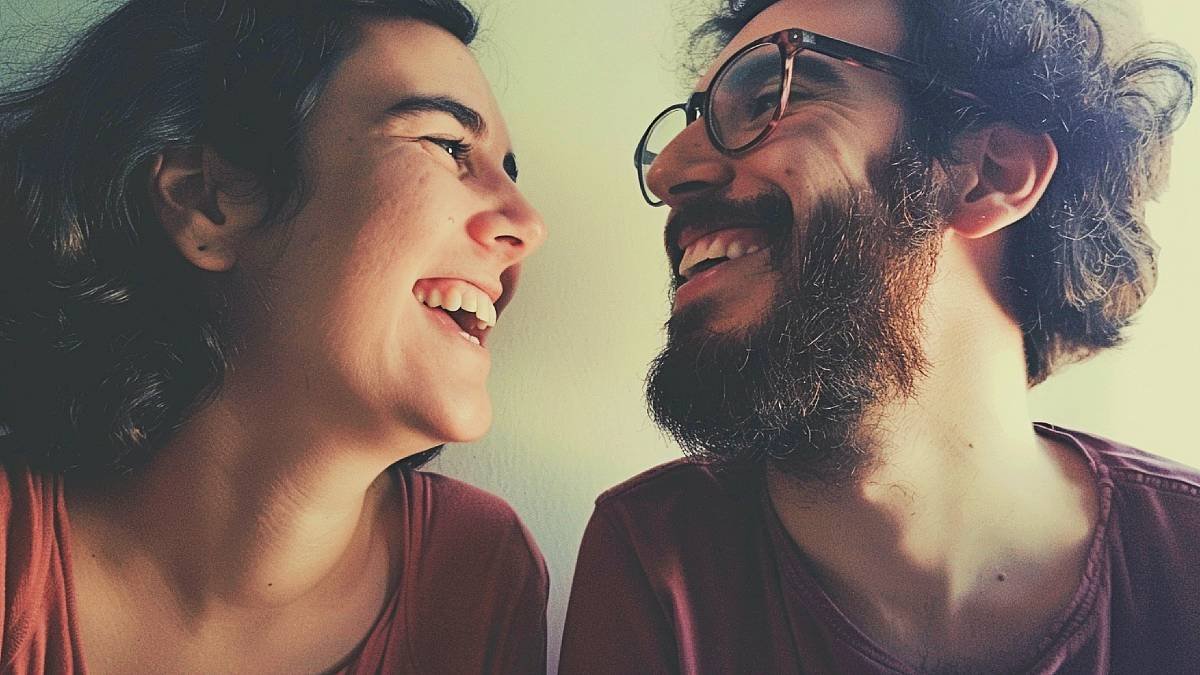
742 102
661 132
745 96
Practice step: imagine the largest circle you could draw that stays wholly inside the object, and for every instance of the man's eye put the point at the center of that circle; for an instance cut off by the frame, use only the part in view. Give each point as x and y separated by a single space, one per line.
763 104
799 92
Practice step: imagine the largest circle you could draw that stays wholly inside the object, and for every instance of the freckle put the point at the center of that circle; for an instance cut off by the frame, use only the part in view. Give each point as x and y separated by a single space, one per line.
1001 577
970 445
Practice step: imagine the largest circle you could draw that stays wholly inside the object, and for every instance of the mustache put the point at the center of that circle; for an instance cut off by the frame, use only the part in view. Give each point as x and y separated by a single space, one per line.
770 210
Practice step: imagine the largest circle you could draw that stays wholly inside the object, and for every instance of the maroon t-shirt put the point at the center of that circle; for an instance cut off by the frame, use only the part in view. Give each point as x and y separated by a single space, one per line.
471 597
685 570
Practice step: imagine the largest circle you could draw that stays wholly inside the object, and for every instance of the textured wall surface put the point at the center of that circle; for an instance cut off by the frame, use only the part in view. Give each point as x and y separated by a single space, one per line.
578 81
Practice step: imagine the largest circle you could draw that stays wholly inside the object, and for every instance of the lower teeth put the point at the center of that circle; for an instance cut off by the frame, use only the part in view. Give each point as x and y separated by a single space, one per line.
470 338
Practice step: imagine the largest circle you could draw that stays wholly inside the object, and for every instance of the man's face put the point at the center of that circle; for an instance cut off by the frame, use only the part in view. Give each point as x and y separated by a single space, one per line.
782 351
400 209
825 143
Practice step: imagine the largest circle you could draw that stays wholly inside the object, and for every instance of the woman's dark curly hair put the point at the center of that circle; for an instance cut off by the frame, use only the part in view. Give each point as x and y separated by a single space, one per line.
109 338
1082 262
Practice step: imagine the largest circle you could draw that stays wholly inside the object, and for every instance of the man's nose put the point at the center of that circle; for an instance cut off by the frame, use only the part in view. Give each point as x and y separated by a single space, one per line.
688 166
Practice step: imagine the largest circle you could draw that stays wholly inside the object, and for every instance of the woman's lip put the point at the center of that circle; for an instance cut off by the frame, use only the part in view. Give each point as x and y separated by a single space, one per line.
697 284
444 320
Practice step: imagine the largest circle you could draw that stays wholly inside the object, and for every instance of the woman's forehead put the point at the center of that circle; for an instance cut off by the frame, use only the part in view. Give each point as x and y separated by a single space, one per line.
399 58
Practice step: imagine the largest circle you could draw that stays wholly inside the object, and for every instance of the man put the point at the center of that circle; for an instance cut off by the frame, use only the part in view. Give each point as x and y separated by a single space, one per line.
874 259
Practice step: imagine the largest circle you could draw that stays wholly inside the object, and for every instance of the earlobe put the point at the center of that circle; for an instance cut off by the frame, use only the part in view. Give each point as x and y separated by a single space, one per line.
1005 174
191 209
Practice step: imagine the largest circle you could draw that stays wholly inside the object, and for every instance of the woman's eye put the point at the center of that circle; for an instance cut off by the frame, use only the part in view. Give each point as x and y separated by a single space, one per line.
457 148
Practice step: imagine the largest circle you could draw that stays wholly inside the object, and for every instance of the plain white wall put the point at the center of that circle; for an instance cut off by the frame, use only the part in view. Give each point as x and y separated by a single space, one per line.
578 81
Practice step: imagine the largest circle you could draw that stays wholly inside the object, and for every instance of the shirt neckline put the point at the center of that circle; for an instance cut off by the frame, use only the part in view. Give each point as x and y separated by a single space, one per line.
1053 649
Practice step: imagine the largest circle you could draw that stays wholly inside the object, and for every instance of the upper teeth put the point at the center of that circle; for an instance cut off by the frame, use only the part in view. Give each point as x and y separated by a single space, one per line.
467 298
729 243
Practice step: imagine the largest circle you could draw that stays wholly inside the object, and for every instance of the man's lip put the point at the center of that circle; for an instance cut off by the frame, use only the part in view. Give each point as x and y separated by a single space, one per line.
690 234
693 233
689 287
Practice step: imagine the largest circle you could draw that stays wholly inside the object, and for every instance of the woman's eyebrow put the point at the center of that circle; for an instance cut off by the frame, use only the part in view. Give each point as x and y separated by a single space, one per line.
464 114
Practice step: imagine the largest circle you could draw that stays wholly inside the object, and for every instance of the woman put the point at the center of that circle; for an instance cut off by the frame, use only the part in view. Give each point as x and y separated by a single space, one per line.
251 256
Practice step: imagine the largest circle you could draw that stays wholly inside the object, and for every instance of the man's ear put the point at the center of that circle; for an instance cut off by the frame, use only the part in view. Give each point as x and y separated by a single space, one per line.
1005 173
205 221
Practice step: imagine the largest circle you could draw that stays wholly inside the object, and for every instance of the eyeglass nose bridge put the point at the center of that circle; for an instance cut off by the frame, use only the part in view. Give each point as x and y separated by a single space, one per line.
694 108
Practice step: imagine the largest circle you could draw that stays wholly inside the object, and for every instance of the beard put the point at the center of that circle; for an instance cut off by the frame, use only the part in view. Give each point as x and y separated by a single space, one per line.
843 335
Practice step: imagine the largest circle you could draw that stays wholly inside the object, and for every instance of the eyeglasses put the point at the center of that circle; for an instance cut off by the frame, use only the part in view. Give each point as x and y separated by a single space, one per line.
748 96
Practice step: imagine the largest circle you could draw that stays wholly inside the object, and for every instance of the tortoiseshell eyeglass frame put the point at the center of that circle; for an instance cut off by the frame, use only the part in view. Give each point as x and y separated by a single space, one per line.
791 42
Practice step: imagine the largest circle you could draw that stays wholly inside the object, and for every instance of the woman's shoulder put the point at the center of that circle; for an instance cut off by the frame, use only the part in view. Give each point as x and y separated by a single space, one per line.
32 519
474 576
453 512
30 502
34 600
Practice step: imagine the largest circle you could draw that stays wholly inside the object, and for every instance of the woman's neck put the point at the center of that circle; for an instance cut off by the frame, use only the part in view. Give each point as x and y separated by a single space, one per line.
244 507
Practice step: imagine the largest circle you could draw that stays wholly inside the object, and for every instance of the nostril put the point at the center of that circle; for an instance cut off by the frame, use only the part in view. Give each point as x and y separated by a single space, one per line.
689 186
509 239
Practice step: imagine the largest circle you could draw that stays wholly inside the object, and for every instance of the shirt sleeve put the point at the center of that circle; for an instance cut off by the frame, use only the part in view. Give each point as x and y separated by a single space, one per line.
36 633
519 644
476 584
615 621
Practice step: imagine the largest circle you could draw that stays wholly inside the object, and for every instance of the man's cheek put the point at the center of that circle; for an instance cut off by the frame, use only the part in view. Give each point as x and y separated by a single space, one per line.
818 154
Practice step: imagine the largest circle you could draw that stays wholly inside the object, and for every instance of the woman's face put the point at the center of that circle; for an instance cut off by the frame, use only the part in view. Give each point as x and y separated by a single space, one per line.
412 200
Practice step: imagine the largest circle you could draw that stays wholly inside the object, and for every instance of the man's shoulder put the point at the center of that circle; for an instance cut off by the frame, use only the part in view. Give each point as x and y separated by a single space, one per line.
680 479
1153 507
682 499
1132 468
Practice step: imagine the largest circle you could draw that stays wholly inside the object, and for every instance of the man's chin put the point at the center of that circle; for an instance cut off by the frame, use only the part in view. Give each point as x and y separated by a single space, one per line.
704 319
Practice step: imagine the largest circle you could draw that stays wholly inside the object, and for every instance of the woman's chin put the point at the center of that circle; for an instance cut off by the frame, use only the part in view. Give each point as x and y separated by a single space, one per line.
463 426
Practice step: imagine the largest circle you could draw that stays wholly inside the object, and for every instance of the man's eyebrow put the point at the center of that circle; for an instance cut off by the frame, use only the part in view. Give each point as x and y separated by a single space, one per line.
464 114
818 68
810 68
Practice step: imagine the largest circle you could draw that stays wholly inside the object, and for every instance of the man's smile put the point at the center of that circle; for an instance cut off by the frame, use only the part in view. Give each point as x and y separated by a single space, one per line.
718 247
732 275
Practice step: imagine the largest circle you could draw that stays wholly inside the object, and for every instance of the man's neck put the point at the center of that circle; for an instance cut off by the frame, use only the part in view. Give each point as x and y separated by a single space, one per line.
947 543
968 524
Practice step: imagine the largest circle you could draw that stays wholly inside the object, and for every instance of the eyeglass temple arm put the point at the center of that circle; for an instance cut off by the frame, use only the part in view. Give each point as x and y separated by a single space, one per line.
885 63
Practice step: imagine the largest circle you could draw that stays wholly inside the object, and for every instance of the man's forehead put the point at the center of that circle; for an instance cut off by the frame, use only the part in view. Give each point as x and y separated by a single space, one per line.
876 24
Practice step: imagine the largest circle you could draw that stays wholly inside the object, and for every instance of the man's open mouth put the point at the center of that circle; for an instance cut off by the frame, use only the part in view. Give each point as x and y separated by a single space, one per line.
720 246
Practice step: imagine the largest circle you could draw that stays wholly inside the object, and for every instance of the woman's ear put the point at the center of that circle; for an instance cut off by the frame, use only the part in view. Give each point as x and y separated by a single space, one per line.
204 220
1005 173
